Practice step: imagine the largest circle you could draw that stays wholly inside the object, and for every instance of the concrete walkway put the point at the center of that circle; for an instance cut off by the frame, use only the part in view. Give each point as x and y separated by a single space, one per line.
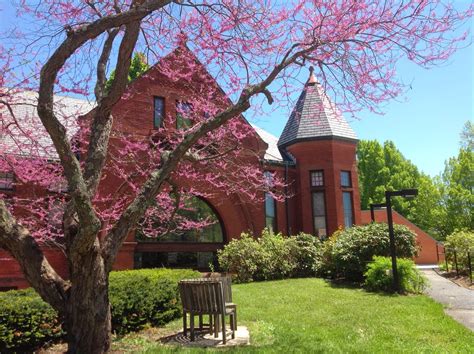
459 301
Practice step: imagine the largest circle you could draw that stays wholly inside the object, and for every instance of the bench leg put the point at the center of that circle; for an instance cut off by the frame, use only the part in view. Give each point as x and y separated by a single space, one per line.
216 326
211 328
232 325
191 320
224 337
185 324
200 322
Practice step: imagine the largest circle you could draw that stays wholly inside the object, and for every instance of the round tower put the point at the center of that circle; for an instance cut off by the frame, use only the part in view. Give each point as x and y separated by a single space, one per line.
321 143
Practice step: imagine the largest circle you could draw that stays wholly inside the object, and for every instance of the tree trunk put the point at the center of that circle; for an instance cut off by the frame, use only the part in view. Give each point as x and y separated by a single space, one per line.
88 318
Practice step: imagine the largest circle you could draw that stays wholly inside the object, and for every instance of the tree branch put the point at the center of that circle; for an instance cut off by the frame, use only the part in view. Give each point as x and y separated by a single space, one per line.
18 241
153 185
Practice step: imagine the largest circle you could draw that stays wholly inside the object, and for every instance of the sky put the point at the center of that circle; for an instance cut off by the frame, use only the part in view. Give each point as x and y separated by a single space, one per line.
424 124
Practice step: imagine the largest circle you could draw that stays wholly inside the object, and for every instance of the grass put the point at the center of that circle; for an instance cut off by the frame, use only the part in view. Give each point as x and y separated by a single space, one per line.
311 315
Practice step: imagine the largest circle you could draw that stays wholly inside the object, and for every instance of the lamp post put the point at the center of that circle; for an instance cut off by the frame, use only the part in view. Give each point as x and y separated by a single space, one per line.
406 193
374 206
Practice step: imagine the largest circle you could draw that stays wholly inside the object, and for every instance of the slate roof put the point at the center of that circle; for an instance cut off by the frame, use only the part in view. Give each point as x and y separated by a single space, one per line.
315 117
24 135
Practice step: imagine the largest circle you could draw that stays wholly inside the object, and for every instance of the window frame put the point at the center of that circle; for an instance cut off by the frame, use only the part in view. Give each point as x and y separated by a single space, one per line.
275 217
351 200
4 177
163 100
315 232
311 179
171 243
350 178
186 123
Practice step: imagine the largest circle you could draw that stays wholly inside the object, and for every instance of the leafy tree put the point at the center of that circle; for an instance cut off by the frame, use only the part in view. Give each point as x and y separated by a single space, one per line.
384 168
138 66
458 192
467 136
253 48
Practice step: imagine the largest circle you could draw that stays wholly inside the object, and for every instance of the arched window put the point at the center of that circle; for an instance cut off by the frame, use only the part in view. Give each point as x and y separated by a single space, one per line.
196 211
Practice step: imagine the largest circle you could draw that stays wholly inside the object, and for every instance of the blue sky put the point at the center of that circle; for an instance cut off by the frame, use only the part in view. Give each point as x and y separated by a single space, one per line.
425 124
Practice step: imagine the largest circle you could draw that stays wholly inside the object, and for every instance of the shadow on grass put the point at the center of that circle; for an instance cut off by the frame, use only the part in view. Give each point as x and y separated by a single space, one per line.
345 284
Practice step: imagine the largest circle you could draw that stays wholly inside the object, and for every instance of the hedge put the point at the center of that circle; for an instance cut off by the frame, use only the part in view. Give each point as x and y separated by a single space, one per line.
138 298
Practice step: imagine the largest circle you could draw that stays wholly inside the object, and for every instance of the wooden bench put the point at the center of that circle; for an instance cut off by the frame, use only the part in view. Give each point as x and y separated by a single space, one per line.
207 296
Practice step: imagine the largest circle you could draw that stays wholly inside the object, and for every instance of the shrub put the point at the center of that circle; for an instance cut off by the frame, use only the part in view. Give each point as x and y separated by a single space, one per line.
272 256
145 297
349 251
306 251
462 242
278 260
379 275
138 298
242 257
26 321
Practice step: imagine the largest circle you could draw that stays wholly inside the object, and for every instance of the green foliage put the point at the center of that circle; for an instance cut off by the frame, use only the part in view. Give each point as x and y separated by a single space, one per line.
444 203
307 253
138 66
26 321
138 298
241 257
462 242
458 192
145 297
347 253
270 257
379 277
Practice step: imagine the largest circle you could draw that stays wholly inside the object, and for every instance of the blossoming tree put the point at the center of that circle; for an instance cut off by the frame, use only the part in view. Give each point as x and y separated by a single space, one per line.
253 48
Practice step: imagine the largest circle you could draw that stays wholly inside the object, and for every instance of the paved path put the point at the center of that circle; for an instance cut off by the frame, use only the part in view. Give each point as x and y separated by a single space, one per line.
459 301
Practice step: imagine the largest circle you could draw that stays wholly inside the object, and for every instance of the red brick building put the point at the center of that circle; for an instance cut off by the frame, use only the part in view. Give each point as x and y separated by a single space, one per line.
315 155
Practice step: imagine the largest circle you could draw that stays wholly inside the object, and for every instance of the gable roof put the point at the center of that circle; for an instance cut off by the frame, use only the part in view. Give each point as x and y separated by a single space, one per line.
24 135
272 152
315 117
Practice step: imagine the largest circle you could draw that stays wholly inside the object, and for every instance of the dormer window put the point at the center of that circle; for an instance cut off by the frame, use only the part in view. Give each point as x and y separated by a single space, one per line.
158 111
183 115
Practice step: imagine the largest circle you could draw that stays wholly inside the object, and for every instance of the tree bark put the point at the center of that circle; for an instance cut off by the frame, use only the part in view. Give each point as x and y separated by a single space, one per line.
88 317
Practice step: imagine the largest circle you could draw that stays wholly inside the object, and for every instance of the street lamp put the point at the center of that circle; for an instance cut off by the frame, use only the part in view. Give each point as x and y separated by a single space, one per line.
406 193
375 206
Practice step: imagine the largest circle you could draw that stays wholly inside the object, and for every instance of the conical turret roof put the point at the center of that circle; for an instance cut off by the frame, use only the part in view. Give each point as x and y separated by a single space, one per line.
315 117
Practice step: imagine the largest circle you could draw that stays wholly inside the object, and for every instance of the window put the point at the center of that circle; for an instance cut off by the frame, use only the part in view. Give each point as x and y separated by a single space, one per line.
158 111
183 115
346 179
196 260
270 213
319 214
197 210
347 203
6 181
317 178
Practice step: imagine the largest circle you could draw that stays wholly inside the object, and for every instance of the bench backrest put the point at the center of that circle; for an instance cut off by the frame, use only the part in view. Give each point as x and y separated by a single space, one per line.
202 297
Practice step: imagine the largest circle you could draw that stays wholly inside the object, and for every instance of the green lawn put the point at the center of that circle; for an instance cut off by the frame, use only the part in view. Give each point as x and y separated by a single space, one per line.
310 315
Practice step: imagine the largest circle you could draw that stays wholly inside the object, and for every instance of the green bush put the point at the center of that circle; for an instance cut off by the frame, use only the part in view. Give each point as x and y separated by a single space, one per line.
379 276
462 242
242 257
26 321
307 252
348 252
271 256
138 298
145 297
